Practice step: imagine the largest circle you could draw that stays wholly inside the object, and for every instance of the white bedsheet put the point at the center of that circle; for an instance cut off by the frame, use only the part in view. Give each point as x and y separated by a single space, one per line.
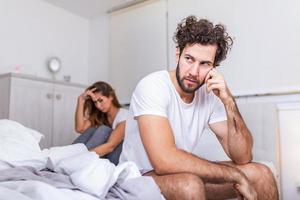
19 144
35 190
93 176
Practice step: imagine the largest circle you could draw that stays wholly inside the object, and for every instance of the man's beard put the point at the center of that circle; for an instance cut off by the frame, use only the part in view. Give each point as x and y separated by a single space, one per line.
181 84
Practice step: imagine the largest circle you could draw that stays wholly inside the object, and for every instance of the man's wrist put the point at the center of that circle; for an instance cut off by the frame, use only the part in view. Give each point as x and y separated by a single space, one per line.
236 175
239 177
229 101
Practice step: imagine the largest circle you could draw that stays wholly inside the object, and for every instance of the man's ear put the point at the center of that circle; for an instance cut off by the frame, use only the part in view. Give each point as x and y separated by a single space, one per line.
177 54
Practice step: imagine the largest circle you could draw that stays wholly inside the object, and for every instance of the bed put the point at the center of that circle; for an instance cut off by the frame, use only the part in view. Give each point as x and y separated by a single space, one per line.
67 172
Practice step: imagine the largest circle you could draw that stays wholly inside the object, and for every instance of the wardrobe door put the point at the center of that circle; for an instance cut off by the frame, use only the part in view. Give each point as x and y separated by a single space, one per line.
31 104
65 100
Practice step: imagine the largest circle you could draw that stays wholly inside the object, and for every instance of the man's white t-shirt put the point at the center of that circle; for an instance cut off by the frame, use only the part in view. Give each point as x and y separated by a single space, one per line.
156 95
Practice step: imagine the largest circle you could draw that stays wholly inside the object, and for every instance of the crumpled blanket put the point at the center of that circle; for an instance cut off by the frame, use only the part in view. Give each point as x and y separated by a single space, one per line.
74 167
89 173
20 173
135 189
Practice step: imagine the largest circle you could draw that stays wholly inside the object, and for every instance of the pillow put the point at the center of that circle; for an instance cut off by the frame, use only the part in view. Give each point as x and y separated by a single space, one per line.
37 135
18 143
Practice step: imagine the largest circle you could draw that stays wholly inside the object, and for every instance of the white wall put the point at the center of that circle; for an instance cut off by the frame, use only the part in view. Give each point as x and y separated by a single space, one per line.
31 31
137 45
264 56
98 50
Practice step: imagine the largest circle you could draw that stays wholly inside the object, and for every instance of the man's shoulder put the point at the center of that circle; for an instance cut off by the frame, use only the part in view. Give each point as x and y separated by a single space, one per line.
152 90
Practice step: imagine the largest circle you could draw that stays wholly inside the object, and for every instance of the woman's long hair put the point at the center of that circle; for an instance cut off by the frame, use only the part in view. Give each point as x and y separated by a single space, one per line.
95 116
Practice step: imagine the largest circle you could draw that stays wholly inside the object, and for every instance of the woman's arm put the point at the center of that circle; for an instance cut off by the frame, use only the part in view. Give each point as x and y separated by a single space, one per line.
115 138
81 123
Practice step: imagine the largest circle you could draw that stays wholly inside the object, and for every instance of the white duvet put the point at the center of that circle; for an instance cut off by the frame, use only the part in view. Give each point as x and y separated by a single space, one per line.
93 176
35 190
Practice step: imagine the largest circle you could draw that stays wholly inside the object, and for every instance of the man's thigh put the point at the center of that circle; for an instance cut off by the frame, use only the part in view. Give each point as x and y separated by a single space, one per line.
179 186
171 184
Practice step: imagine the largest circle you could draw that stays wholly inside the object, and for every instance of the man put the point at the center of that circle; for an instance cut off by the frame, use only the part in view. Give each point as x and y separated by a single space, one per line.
170 111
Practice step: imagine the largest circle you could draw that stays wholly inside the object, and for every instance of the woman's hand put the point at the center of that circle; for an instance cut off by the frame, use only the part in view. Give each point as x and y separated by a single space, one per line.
81 123
87 94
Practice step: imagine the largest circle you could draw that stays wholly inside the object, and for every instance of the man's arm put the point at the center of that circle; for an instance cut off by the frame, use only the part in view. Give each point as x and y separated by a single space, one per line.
166 158
233 134
234 137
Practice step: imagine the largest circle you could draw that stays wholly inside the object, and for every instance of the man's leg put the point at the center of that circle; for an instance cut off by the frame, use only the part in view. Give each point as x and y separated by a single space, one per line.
259 175
182 186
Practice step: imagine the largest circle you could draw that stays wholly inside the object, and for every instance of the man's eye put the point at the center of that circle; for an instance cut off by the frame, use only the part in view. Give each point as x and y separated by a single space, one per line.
206 64
189 59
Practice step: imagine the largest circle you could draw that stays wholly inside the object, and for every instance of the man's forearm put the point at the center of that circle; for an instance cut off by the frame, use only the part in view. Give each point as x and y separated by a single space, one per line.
184 162
239 137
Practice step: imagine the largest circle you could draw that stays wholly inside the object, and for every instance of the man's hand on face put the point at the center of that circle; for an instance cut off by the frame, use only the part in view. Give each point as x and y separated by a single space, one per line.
215 82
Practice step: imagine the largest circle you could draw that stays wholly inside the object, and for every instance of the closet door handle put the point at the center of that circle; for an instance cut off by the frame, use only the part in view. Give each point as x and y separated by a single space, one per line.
58 96
49 96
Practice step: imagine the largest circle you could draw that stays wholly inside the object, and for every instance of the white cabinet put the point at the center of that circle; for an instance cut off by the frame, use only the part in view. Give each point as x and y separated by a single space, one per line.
41 104
64 106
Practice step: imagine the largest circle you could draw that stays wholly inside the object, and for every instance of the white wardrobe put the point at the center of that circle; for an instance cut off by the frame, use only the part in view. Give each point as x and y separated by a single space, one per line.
44 105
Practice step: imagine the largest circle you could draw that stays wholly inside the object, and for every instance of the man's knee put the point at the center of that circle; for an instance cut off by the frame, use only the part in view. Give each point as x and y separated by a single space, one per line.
264 181
259 173
192 187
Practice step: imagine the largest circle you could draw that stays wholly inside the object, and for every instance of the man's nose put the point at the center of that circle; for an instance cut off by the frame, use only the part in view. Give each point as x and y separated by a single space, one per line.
194 70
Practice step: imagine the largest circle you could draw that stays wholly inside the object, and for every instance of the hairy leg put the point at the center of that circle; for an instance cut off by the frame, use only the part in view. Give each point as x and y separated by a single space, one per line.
219 191
181 186
259 175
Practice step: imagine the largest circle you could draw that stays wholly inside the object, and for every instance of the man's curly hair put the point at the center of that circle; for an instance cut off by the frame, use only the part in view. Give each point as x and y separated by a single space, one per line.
192 31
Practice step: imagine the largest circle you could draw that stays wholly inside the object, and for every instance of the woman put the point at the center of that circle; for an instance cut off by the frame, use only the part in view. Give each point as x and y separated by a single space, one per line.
101 121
